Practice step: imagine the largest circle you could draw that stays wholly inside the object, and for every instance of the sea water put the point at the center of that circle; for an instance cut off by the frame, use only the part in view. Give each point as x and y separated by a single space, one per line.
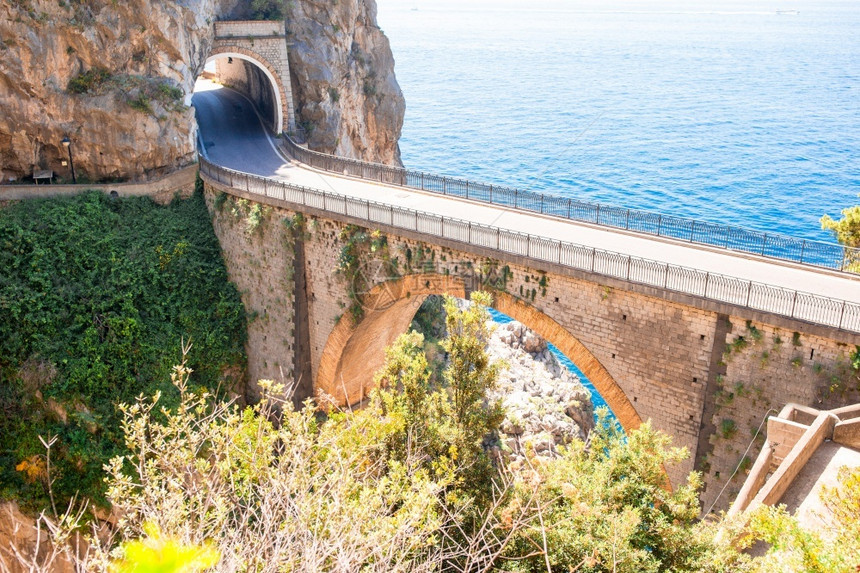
741 113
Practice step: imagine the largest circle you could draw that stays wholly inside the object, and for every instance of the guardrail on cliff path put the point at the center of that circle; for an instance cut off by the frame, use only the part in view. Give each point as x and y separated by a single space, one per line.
807 307
814 253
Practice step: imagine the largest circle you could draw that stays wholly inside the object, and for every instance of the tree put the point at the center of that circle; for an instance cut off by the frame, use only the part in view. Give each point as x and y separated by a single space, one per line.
847 231
608 507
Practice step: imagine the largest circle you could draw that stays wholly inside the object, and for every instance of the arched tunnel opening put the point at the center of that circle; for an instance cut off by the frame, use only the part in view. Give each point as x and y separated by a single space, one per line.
239 107
241 74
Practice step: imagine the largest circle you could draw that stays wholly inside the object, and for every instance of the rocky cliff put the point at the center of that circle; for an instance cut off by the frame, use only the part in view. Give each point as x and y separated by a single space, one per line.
347 98
111 76
114 76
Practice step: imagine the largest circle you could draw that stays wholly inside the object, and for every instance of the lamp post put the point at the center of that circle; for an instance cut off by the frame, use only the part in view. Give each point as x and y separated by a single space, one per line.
67 143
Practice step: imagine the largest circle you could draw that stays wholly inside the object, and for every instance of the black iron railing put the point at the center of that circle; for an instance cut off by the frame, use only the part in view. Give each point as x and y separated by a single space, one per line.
808 307
815 253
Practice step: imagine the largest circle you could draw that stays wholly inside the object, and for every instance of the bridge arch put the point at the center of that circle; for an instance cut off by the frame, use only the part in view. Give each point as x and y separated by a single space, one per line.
355 351
281 95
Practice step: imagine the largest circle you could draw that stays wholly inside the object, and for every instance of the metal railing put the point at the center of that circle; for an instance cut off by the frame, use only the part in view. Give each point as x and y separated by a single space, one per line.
799 305
815 253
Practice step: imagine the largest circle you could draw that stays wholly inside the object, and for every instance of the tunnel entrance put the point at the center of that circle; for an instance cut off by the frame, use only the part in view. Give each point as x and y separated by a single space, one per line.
250 78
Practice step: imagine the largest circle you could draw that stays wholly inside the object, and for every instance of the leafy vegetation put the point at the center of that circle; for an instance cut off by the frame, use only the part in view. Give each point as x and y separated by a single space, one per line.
96 296
846 229
267 9
394 487
847 232
90 81
140 92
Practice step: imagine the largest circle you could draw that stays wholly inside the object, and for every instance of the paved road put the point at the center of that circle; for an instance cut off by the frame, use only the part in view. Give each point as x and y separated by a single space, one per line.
234 137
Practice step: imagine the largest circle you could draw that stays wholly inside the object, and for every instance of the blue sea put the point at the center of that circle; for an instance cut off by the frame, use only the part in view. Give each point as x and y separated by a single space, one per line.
742 113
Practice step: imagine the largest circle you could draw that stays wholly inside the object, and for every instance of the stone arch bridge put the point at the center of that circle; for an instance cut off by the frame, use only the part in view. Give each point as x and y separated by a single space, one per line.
698 328
654 352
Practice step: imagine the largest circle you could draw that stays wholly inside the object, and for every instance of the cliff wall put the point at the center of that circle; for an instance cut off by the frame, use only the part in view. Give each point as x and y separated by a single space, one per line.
347 98
114 78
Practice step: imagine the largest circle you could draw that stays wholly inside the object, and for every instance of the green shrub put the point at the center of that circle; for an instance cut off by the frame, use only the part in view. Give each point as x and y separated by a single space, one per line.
141 103
90 81
96 295
728 428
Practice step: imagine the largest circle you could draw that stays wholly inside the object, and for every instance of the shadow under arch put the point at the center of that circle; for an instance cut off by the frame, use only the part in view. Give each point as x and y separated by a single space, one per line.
354 351
266 67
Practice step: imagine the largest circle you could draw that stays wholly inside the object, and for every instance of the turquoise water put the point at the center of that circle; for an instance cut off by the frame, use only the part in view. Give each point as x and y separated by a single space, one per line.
740 113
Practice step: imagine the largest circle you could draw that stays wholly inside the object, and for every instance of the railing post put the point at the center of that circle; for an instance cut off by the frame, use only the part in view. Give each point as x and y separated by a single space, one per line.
841 315
568 208
627 222
444 186
802 249
542 199
659 224
666 277
597 216
763 243
416 220
707 279
516 198
749 291
368 210
793 304
467 188
692 230
593 256
491 194
470 230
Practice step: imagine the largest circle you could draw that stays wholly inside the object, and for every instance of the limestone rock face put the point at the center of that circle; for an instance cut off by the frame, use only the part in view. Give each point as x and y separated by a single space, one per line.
130 121
545 405
346 96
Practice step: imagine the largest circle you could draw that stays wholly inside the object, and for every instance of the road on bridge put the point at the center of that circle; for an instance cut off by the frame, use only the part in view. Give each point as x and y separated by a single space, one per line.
234 137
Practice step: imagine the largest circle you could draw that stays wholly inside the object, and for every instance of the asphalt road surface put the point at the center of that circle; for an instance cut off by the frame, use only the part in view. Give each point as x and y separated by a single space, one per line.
234 137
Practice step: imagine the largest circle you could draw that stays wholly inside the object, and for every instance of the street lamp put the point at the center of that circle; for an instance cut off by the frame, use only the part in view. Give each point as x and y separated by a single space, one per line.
67 143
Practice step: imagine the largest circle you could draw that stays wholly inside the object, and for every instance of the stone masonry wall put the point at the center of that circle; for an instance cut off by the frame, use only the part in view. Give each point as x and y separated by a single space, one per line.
764 368
259 259
680 366
657 351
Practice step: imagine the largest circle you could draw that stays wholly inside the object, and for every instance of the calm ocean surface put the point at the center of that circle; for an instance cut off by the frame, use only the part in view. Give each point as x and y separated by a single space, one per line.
744 113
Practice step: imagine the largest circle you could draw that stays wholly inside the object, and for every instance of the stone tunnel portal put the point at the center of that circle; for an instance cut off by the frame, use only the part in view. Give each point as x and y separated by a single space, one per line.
252 78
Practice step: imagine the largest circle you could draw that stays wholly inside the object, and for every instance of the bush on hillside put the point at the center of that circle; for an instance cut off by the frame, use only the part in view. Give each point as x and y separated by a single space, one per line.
96 296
